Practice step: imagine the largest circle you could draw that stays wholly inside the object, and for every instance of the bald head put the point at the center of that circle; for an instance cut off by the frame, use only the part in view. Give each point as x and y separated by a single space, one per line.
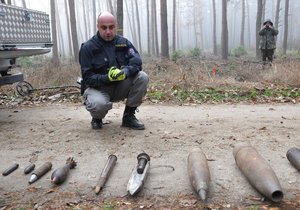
107 26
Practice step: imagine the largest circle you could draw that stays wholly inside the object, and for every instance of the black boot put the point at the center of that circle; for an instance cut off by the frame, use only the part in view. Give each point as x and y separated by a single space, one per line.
96 124
129 119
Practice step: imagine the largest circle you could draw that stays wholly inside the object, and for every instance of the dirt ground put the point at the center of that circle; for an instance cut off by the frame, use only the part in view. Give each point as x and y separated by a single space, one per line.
54 132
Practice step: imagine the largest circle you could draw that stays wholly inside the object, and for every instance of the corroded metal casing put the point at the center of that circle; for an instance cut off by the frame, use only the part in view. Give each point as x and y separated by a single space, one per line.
43 169
293 155
258 172
110 163
199 173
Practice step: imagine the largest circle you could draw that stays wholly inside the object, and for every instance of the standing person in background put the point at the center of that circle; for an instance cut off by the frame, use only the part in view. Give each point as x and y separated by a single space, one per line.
268 41
111 69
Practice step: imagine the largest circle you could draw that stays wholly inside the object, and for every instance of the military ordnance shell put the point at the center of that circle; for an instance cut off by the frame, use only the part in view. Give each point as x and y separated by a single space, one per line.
60 175
10 169
40 172
198 171
29 168
137 180
293 155
110 163
143 158
258 172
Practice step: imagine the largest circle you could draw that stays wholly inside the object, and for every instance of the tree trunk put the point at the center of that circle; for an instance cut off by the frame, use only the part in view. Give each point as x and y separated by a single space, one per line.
130 24
214 27
94 17
242 40
224 30
24 4
154 28
164 29
286 22
74 30
133 20
148 29
55 58
258 26
86 29
68 29
120 17
263 14
138 26
174 27
110 6
277 14
249 28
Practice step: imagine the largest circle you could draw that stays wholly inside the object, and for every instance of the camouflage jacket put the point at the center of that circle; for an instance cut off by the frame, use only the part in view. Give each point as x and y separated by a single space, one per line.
268 38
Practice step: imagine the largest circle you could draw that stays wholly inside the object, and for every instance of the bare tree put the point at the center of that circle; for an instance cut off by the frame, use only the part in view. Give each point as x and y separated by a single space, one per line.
174 27
258 26
224 30
286 22
86 29
154 28
110 6
138 26
263 14
55 58
214 27
242 40
164 29
74 30
277 14
148 27
24 3
94 17
68 29
120 16
132 30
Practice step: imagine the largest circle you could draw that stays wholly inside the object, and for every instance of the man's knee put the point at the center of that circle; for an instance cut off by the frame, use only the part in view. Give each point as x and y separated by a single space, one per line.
143 78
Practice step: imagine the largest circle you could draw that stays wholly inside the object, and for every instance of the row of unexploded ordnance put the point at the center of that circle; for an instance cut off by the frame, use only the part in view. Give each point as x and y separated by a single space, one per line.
258 172
58 176
250 162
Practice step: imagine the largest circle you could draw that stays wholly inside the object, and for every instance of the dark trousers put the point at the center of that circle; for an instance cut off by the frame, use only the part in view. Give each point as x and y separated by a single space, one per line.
267 53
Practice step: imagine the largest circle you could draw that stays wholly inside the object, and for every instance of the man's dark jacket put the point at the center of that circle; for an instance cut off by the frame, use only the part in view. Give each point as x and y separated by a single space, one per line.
96 56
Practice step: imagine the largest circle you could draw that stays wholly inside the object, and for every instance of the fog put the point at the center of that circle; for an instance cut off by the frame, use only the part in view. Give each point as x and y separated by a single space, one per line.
193 22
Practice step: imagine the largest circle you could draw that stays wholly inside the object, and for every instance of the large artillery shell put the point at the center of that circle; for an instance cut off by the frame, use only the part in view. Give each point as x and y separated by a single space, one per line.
198 171
60 175
29 168
293 155
258 172
10 169
40 172
110 163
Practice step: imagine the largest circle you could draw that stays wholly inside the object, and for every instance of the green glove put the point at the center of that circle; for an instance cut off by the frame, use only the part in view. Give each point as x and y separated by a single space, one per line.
115 74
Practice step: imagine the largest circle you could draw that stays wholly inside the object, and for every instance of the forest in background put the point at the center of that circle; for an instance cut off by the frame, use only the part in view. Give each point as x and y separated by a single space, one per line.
170 27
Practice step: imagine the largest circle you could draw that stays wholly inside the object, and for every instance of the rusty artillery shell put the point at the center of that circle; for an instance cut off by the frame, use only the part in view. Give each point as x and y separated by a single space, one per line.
60 175
110 163
258 172
293 155
29 168
10 169
198 171
40 172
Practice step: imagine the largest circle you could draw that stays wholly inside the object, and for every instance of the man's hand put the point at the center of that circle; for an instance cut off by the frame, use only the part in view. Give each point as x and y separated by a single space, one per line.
115 74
